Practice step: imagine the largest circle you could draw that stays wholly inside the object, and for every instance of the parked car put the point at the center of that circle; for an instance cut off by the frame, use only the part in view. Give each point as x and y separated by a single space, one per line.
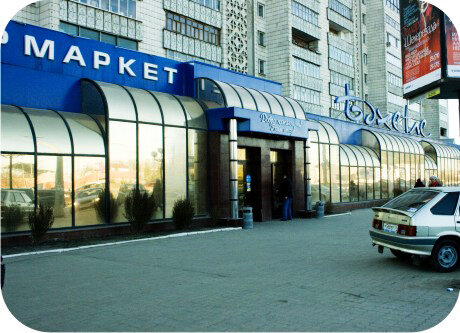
422 222
17 198
87 198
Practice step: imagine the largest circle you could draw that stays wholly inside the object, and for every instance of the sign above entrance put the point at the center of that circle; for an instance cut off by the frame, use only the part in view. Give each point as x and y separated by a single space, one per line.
392 121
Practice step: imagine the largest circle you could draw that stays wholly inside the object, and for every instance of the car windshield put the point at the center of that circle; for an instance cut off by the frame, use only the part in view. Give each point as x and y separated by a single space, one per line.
411 201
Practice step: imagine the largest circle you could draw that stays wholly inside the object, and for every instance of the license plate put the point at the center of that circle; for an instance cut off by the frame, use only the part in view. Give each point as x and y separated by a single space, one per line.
393 228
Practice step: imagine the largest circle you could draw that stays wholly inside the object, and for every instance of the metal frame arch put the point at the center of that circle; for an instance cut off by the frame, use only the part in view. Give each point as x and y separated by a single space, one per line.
29 124
293 101
252 92
330 131
325 130
254 100
216 84
275 99
236 92
383 147
346 155
289 108
352 153
373 155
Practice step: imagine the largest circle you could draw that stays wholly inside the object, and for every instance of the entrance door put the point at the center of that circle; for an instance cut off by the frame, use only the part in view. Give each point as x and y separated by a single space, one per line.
249 180
281 165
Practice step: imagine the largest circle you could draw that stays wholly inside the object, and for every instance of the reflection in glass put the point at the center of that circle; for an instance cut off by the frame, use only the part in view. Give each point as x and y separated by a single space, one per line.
16 133
397 176
314 172
325 176
384 173
390 175
175 167
147 107
151 164
119 103
370 183
345 183
335 174
354 184
89 184
362 183
17 189
122 146
197 170
54 187
377 183
172 110
195 111
412 170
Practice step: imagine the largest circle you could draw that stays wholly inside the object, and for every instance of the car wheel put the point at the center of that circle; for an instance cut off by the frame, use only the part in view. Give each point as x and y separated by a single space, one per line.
445 256
400 254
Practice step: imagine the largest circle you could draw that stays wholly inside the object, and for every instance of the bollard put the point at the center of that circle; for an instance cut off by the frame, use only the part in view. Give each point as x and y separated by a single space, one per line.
319 209
247 218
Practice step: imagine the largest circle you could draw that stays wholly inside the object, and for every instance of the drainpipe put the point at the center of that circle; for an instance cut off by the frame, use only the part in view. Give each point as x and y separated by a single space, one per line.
233 144
307 176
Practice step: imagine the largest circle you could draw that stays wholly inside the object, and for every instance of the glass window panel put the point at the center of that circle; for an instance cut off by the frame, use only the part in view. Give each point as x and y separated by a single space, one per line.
16 133
287 108
382 142
132 8
175 167
119 103
151 163
105 4
274 104
384 175
407 170
397 176
230 95
345 183
109 39
124 7
127 43
89 33
246 98
333 137
390 174
122 145
172 110
55 141
314 172
377 183
359 155
343 157
195 111
335 173
313 136
54 187
370 183
208 92
362 183
197 170
114 6
148 109
412 170
17 174
351 155
299 112
322 134
70 29
325 173
354 184
262 104
89 184
87 137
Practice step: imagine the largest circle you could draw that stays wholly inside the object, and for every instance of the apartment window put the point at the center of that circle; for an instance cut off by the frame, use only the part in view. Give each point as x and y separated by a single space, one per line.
304 13
366 97
307 68
443 131
340 8
191 28
364 38
393 4
261 38
365 58
121 7
76 30
213 4
364 18
392 40
261 9
363 2
261 67
393 23
340 80
395 99
394 80
340 55
365 78
307 95
394 60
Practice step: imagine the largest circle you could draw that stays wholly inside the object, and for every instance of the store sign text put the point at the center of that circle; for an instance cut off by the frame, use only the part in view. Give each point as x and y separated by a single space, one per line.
278 125
391 121
99 59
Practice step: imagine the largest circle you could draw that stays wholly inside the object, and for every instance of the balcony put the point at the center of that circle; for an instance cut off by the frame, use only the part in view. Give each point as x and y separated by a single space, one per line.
339 43
307 81
99 19
339 22
306 27
306 54
336 90
195 11
339 67
395 89
312 108
194 47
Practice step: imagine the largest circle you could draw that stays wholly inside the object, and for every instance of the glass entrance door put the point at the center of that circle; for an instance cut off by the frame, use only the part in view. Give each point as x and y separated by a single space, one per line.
281 165
249 180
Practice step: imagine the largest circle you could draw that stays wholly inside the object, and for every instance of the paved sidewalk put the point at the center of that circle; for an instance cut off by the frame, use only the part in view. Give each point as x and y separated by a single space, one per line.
309 275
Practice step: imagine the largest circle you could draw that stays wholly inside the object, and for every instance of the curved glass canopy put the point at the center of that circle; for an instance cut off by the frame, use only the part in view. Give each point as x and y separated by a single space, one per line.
132 104
230 95
390 142
325 134
430 164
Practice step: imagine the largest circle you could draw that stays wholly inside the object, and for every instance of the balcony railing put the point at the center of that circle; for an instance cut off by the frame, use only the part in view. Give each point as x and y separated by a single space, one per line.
306 27
195 11
307 81
306 54
339 20
339 43
339 67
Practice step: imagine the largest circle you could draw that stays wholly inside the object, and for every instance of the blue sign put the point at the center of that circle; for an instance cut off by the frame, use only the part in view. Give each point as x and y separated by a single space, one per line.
248 178
48 65
391 121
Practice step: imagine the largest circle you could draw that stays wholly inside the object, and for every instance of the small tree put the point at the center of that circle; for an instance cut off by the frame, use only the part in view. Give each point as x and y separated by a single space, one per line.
183 212
139 208
40 221
12 217
100 207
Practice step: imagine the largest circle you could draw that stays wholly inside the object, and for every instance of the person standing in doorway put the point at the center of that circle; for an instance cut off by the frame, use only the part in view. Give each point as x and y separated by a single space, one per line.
419 183
286 193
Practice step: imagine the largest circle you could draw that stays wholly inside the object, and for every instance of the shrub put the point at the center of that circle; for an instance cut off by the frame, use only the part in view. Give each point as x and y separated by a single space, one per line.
183 212
12 218
139 208
40 221
100 207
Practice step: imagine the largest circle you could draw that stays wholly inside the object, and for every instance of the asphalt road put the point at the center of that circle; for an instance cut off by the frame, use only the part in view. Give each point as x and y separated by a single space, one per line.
308 275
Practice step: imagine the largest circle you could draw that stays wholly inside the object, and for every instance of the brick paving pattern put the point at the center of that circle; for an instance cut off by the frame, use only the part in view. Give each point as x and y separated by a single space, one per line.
308 275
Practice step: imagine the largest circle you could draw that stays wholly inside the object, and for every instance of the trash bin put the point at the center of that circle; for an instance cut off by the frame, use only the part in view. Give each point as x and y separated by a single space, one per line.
247 218
320 209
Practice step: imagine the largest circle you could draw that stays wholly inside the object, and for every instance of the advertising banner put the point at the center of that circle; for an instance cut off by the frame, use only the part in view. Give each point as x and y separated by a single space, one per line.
452 49
421 44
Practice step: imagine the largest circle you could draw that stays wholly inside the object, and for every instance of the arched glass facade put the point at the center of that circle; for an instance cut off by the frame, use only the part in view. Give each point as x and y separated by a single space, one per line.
217 94
447 159
51 158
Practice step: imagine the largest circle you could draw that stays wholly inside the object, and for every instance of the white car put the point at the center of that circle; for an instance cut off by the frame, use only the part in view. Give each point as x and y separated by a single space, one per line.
422 222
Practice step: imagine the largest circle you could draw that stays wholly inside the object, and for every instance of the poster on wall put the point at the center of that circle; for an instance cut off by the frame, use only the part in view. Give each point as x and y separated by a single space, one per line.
421 44
452 49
